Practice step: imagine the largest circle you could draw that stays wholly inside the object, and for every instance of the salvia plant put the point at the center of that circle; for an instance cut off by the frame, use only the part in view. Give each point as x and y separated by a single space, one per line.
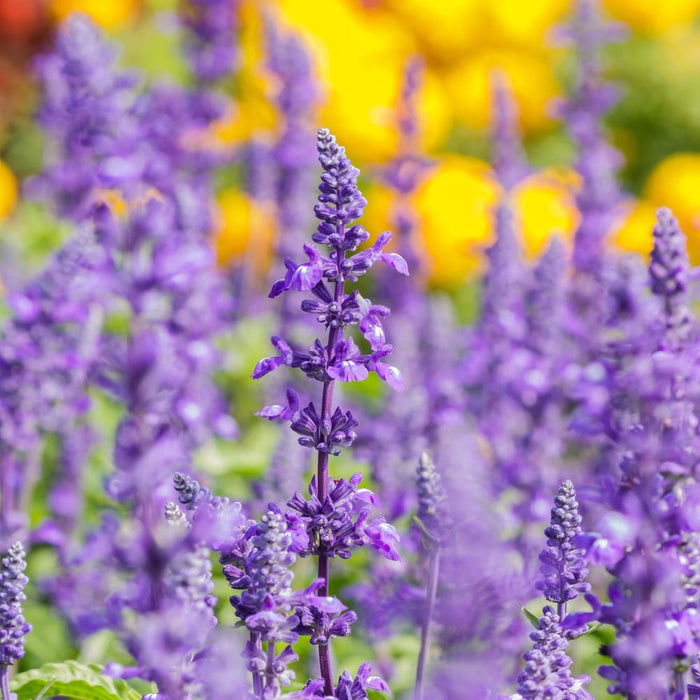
512 514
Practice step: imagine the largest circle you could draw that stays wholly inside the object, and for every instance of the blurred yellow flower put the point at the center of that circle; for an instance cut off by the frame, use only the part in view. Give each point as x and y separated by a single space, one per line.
635 232
343 33
530 78
545 206
252 112
446 29
8 191
525 24
107 13
675 183
455 206
651 16
361 112
244 230
362 73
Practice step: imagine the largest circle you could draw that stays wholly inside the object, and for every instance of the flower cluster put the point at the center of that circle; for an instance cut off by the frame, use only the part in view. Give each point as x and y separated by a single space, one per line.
13 626
339 523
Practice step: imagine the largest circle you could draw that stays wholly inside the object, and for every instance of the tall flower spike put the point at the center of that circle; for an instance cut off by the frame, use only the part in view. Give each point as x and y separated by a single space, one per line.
432 501
332 359
597 161
547 672
563 565
669 271
508 158
210 44
13 626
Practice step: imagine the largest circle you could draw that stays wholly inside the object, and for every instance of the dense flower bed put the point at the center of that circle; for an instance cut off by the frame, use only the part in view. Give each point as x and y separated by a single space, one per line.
479 484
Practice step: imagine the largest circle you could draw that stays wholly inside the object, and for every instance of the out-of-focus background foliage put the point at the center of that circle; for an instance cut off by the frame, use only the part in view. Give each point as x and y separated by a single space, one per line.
360 48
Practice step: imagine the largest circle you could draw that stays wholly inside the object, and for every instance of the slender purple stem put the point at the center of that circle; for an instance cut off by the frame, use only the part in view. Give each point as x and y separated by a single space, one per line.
322 473
5 682
269 669
434 569
257 677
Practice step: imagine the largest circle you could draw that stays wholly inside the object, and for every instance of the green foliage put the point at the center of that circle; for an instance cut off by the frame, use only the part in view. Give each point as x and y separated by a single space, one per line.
71 679
534 620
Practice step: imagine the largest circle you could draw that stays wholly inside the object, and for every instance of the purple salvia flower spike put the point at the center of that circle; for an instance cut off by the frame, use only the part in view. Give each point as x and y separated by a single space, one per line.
328 430
432 519
597 161
547 672
669 271
563 564
13 626
210 41
508 158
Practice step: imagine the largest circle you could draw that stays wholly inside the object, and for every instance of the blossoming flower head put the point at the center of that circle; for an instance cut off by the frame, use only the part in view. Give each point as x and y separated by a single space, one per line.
13 626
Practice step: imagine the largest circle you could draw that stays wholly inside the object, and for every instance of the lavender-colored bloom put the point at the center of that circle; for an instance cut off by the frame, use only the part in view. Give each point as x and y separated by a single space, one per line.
48 350
669 271
189 583
563 565
210 41
597 161
508 159
547 672
407 169
86 110
13 626
327 516
348 688
269 607
432 502
339 523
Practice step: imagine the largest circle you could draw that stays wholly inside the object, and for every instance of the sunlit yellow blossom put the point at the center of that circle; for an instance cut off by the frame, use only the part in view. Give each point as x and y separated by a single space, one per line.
252 112
344 33
455 211
635 232
362 112
8 190
446 29
527 24
107 13
362 73
652 16
545 206
675 183
244 230
530 78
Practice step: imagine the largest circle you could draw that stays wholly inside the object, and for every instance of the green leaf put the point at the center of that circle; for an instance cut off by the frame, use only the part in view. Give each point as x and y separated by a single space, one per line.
71 679
534 620
378 695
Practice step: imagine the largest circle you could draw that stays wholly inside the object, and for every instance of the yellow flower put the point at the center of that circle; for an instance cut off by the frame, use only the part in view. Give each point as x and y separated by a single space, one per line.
544 205
8 191
525 24
362 72
529 76
635 232
446 29
244 230
651 16
252 112
455 216
361 112
675 183
109 14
